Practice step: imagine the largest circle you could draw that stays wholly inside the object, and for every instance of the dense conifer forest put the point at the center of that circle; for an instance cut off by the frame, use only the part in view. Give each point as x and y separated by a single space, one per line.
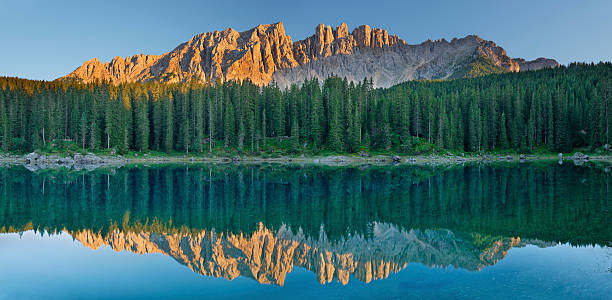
559 109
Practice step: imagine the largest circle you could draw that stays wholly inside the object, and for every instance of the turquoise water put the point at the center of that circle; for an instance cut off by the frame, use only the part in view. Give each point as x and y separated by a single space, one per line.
508 231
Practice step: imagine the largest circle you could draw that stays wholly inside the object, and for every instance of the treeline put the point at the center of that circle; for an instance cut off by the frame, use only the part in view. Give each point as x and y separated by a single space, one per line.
557 109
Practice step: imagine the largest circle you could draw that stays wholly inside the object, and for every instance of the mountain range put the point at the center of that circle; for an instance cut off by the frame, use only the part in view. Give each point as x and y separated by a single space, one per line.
266 54
267 256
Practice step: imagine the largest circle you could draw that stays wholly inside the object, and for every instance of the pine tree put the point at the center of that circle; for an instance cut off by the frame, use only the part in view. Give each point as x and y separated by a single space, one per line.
549 123
168 126
405 136
197 112
279 113
263 129
4 125
386 136
606 98
141 124
83 129
475 127
458 124
335 128
316 123
228 124
241 134
295 134
531 127
211 124
441 126
251 126
503 132
561 134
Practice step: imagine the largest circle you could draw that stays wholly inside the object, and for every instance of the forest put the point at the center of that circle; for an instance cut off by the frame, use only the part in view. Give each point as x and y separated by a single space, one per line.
561 109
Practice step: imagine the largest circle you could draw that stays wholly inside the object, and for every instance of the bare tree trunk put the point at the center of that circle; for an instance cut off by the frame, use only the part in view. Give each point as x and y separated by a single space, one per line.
429 130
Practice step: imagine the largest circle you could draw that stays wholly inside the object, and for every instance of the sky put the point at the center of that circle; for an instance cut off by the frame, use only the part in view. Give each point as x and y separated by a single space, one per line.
47 39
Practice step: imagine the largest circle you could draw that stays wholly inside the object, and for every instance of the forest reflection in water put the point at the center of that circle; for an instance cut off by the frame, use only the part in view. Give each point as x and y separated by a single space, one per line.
362 222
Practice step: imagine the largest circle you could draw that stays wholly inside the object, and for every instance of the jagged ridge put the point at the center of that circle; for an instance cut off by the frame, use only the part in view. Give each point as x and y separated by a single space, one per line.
268 256
266 53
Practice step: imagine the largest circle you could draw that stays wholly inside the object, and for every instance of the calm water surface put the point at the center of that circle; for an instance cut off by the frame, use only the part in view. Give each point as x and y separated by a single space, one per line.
507 231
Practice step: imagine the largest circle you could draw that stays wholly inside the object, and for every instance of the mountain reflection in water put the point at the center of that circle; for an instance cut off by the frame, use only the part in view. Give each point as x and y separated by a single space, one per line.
259 221
268 257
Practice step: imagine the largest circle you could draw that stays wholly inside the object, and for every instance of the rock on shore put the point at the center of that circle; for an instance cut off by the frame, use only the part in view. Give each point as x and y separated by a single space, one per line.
37 161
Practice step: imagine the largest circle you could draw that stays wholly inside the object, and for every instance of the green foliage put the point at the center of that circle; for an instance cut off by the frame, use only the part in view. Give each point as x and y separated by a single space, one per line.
422 146
480 67
558 109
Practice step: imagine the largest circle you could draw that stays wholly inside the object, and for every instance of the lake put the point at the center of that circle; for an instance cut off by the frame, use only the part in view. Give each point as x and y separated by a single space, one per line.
507 230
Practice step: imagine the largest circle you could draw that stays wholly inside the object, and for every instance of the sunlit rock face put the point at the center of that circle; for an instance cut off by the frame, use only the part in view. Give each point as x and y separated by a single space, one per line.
266 53
268 256
536 64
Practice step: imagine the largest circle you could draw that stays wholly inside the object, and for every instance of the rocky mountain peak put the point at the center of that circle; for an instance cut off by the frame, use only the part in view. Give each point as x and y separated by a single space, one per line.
266 53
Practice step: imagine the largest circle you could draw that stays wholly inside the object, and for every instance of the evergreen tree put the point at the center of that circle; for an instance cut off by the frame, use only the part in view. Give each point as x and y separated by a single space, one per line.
405 136
167 113
295 134
503 133
211 124
197 116
475 127
228 124
83 128
141 124
531 127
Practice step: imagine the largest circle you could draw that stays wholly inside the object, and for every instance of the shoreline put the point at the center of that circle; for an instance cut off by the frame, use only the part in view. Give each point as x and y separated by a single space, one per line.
35 161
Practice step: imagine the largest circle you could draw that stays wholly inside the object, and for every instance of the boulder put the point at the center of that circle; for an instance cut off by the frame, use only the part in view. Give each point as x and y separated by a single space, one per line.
65 160
91 159
364 154
31 158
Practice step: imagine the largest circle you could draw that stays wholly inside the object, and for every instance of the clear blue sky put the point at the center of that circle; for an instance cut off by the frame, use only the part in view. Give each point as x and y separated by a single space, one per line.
47 39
